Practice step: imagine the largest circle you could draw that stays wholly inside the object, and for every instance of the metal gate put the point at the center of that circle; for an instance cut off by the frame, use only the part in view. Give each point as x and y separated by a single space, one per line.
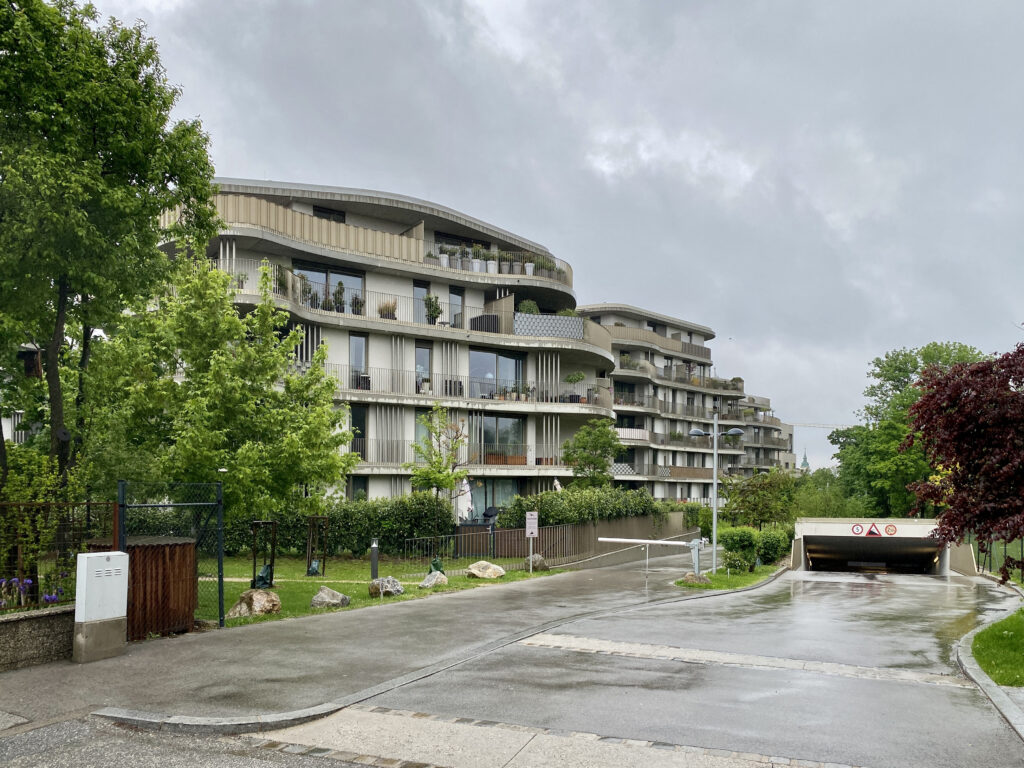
174 536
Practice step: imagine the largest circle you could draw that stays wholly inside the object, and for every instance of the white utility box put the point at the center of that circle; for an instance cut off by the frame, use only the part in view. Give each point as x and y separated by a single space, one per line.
101 605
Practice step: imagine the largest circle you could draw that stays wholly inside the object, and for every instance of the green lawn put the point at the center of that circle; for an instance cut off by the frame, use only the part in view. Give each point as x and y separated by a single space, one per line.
999 650
734 580
346 575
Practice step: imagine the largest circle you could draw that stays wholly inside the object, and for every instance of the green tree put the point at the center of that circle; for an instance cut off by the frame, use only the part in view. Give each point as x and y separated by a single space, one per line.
437 453
872 469
189 386
820 494
590 453
763 498
89 160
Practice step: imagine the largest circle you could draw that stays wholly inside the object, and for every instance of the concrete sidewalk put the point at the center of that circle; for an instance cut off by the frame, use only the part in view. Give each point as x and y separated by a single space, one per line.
293 664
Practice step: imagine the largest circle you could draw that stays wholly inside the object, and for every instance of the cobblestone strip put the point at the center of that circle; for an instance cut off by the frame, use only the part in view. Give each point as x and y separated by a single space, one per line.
698 656
332 754
764 761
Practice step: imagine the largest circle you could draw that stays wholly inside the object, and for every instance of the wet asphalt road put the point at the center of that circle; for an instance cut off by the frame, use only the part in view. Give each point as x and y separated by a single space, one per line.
872 624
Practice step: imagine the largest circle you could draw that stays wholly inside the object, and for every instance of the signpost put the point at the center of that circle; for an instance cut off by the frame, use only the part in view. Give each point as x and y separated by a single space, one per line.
531 532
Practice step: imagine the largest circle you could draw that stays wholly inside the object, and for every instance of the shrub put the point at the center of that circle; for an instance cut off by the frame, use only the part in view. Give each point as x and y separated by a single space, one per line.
578 505
737 561
739 539
567 313
353 524
772 545
529 307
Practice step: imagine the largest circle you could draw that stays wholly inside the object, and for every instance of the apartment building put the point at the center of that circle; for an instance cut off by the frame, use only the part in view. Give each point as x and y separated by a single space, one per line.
420 304
663 388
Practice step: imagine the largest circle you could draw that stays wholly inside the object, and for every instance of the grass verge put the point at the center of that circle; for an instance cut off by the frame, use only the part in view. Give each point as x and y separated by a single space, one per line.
733 580
350 577
999 650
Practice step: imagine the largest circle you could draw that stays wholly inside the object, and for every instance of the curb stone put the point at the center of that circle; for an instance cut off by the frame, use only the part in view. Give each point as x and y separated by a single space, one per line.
1006 706
272 721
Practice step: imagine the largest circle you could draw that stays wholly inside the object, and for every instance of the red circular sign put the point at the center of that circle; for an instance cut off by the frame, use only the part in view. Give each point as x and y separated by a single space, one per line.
857 529
890 530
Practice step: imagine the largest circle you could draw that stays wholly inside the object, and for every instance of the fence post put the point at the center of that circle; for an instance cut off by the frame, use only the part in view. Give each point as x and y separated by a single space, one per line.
120 528
220 554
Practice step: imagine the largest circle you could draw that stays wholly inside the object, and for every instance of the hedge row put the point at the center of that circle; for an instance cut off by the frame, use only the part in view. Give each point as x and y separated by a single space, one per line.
352 524
745 546
578 505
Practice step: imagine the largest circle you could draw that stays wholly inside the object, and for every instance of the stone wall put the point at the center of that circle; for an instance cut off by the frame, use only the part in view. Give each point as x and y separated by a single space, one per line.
36 637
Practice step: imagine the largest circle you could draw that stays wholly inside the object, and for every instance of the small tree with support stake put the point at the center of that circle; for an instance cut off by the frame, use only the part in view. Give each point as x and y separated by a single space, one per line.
316 544
267 531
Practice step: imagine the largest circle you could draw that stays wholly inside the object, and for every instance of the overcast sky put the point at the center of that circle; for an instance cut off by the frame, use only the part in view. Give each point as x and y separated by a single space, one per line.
817 181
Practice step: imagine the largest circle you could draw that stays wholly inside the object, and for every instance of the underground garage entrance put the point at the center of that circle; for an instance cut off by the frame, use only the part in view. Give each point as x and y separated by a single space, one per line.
872 545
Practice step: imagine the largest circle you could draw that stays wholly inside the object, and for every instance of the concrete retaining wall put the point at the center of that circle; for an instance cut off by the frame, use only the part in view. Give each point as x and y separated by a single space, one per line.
36 637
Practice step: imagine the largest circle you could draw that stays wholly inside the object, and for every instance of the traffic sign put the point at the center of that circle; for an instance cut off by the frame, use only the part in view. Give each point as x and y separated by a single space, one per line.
873 531
531 524
890 530
857 529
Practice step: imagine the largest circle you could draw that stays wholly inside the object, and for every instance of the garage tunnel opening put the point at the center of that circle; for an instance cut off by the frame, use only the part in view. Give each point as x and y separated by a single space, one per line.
871 546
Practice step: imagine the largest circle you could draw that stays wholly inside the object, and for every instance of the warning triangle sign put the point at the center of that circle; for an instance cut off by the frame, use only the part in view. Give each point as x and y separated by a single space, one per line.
873 531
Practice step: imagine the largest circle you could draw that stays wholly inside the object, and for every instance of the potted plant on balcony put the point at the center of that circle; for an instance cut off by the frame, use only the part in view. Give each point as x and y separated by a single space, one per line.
529 307
357 304
339 297
573 378
388 309
442 255
467 262
432 307
424 386
504 262
282 280
478 258
529 263
328 305
431 260
491 259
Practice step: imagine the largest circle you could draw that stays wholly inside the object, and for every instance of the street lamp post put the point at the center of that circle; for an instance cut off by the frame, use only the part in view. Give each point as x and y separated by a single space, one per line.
713 434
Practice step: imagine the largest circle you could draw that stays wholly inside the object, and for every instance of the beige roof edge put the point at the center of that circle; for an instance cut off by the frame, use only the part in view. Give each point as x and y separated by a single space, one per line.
323 192
641 313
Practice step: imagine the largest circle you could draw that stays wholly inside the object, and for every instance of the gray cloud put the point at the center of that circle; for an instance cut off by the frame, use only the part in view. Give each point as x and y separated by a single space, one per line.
819 182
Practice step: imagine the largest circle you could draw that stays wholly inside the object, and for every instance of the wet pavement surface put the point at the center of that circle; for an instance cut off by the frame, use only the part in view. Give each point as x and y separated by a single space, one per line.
872 624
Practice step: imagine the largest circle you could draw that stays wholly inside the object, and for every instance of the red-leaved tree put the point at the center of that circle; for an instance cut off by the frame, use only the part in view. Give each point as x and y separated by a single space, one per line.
970 421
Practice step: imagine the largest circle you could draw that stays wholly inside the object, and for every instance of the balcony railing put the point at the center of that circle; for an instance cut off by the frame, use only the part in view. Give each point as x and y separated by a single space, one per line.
768 442
633 433
406 382
760 417
330 301
650 337
684 375
394 453
632 399
642 469
258 213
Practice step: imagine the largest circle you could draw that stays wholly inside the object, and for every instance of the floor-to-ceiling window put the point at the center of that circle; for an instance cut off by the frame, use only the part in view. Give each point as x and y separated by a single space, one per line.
358 419
420 291
492 373
323 287
424 350
492 492
455 302
497 439
357 361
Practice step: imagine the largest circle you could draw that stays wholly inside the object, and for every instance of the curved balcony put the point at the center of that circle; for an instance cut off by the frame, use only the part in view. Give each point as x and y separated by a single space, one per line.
645 336
392 381
496 317
256 213
641 469
375 452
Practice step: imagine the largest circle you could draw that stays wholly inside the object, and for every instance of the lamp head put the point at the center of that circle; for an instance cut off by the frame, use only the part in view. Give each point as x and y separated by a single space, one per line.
735 432
698 433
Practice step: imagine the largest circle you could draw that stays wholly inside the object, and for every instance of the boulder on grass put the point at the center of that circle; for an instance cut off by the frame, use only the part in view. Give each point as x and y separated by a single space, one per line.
696 578
389 586
328 598
255 602
484 570
434 579
539 563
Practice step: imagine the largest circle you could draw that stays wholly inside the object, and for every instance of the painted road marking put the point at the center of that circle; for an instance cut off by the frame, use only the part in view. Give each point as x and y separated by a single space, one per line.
750 661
